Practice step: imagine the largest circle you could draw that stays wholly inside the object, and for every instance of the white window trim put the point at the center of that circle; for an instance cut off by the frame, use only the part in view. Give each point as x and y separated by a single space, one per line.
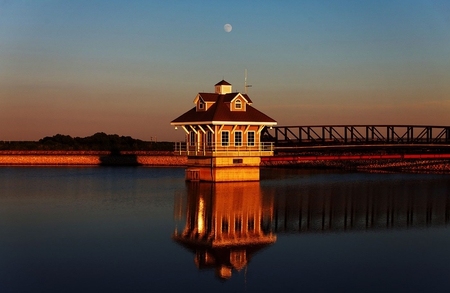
228 138
235 142
254 138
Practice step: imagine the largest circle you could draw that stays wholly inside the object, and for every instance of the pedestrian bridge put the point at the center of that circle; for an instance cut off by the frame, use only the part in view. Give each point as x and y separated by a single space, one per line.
295 137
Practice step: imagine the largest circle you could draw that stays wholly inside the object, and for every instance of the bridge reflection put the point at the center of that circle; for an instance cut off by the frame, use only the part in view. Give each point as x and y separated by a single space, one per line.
357 207
225 224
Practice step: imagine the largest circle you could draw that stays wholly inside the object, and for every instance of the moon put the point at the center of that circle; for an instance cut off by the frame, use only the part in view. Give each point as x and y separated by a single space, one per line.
227 27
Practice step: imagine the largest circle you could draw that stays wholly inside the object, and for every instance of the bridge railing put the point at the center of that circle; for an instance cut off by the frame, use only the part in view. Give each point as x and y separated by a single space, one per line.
357 134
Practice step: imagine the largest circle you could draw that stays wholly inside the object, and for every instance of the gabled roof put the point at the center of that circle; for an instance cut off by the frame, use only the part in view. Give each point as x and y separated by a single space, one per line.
208 97
230 97
223 82
220 112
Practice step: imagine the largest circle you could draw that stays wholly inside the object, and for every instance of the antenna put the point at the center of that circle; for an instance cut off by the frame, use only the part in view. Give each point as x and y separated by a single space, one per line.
246 86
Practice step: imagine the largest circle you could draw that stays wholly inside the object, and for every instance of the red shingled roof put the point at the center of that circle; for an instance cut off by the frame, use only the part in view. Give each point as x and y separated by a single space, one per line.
209 97
213 97
223 82
220 112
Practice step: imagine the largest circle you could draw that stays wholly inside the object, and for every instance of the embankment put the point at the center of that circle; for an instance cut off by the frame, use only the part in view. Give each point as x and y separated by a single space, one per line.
147 158
397 165
167 159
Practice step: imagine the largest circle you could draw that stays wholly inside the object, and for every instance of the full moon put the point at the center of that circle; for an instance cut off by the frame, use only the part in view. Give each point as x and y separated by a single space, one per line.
227 27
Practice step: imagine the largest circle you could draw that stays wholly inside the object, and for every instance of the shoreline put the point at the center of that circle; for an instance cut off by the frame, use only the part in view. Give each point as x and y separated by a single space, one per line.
168 159
379 165
91 158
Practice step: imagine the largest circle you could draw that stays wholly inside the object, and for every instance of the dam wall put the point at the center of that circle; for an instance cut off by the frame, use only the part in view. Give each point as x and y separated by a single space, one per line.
90 158
167 159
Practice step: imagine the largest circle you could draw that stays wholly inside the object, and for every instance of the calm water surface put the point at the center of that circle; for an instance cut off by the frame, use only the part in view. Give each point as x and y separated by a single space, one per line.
147 230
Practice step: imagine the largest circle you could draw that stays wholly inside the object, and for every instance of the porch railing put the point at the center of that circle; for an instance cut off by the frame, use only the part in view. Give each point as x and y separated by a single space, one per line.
213 149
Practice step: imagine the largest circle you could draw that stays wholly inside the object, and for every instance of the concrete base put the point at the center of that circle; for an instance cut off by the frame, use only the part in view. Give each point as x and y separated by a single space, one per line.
223 169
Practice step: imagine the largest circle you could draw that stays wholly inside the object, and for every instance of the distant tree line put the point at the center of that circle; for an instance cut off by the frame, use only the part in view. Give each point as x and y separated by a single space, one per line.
97 142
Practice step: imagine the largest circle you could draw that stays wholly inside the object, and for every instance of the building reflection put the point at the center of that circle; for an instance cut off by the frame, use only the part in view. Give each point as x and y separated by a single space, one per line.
226 224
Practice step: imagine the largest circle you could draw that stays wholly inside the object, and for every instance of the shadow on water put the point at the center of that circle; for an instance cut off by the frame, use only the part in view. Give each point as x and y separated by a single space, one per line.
116 158
225 224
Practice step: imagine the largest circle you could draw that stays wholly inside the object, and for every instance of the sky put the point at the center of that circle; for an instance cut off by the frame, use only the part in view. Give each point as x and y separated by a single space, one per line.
131 67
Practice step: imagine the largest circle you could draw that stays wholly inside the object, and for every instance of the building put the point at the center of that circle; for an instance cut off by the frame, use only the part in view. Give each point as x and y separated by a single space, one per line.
223 136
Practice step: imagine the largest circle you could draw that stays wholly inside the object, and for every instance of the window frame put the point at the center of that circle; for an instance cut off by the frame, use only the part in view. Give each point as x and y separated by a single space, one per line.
238 143
238 224
225 142
225 226
238 104
251 142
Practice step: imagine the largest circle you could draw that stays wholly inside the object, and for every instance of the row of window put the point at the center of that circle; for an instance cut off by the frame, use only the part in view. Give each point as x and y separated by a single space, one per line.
238 225
238 138
237 105
225 136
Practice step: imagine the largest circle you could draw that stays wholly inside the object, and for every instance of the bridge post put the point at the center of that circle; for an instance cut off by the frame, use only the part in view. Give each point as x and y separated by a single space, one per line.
276 134
410 135
388 134
429 134
367 134
353 133
300 135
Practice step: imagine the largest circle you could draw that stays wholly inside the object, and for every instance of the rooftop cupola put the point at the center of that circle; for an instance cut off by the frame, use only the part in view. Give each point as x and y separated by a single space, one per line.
223 87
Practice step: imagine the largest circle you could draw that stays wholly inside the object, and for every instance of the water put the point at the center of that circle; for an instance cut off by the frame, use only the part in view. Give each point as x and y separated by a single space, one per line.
106 229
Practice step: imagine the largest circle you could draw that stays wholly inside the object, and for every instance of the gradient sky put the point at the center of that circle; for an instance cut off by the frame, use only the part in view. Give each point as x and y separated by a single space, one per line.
130 67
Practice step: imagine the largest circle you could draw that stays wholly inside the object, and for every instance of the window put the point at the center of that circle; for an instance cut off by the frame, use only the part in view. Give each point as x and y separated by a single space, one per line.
192 138
209 138
251 138
201 105
225 138
238 138
237 161
238 224
251 224
238 104
224 225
